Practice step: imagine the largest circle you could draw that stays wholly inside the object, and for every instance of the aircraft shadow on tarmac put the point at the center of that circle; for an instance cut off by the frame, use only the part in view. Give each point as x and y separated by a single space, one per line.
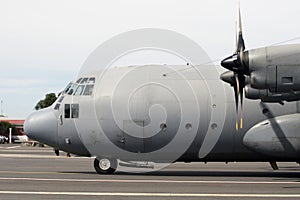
274 174
223 174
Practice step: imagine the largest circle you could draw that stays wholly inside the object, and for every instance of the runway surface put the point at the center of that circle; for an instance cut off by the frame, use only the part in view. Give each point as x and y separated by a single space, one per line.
35 173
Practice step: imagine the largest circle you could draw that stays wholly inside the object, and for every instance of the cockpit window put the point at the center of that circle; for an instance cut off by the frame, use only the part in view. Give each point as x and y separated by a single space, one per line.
88 90
78 81
71 111
67 88
61 99
75 110
67 111
83 86
57 106
91 80
84 81
79 90
72 89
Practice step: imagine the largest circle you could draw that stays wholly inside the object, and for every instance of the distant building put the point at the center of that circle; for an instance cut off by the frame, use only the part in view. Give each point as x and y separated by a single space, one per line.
18 123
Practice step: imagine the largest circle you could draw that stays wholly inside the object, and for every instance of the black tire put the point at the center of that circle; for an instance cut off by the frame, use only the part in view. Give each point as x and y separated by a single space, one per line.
105 165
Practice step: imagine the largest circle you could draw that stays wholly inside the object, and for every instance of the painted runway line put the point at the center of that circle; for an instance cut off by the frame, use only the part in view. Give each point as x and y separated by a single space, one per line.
38 156
13 147
27 150
131 194
26 156
150 181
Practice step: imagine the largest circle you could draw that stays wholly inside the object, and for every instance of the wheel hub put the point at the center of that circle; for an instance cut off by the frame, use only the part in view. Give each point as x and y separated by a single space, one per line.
104 164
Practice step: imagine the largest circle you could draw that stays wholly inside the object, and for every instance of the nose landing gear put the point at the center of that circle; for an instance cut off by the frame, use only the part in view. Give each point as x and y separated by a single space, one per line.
105 165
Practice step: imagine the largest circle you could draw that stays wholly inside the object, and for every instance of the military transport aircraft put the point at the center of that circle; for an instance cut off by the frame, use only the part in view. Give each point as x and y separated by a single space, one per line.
151 113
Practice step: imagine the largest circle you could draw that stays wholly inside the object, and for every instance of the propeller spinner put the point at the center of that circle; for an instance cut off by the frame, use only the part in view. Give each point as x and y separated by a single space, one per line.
238 64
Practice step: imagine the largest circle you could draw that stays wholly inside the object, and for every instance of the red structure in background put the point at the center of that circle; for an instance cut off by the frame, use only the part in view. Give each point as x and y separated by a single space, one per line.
18 124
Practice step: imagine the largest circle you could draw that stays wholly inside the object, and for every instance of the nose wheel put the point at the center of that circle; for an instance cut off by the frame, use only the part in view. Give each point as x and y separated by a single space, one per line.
105 165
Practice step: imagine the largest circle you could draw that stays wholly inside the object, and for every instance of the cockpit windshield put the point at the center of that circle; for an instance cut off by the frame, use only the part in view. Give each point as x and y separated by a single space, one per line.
83 86
72 89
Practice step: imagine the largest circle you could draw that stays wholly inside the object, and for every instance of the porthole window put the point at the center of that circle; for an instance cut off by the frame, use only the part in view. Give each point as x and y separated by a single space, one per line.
214 126
163 126
188 126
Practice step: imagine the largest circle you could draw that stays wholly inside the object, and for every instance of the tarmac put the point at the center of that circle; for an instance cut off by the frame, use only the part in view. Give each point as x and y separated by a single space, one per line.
36 173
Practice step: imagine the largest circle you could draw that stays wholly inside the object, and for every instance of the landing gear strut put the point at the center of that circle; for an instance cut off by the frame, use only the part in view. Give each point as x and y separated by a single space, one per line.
105 165
274 165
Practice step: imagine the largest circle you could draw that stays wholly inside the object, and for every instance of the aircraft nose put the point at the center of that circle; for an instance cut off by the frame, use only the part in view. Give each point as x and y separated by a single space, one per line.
42 126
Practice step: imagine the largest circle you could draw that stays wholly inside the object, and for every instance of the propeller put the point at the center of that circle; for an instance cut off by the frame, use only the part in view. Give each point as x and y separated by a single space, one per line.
238 64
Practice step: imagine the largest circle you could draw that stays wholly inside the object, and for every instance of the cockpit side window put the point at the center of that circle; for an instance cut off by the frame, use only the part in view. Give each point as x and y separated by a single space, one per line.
67 88
61 99
75 110
71 111
67 111
57 106
88 90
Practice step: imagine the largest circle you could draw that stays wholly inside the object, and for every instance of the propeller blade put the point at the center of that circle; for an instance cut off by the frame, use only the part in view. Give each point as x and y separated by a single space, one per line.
237 80
238 64
242 83
236 95
240 46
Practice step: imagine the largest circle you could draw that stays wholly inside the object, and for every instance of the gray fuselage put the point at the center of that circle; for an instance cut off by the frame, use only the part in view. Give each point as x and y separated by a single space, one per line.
159 113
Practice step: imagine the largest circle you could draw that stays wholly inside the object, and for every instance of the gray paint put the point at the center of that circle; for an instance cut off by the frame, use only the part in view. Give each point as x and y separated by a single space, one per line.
96 110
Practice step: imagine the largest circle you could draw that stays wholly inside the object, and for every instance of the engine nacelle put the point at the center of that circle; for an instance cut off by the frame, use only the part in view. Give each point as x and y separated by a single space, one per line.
278 137
266 96
276 68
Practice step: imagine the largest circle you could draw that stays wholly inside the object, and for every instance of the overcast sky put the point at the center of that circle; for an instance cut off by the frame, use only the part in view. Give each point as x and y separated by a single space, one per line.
44 43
